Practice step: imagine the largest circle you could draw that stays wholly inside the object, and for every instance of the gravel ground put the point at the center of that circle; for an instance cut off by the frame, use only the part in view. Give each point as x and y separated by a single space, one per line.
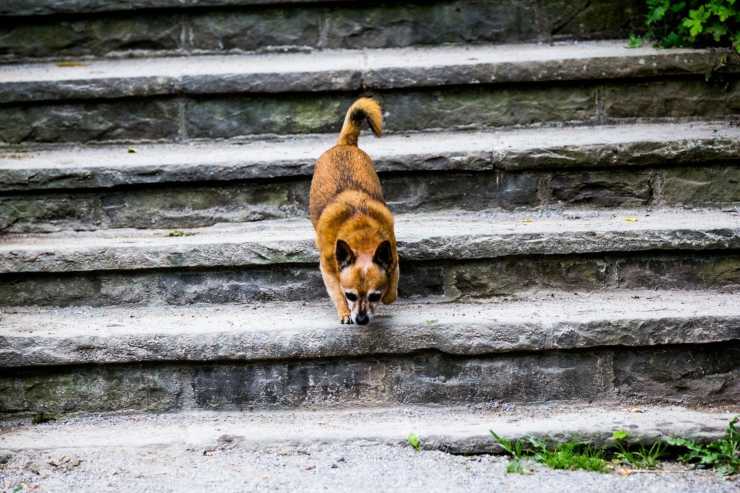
358 450
357 467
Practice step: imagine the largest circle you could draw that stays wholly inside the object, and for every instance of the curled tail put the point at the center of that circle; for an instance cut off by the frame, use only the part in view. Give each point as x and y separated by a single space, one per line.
362 109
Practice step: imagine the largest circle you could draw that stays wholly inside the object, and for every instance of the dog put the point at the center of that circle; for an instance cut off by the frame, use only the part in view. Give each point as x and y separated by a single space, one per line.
354 227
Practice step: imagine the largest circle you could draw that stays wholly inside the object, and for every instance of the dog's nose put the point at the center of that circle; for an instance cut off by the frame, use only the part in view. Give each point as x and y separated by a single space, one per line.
362 319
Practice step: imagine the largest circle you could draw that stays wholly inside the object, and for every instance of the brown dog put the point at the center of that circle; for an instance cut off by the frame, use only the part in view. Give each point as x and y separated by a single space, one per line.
354 227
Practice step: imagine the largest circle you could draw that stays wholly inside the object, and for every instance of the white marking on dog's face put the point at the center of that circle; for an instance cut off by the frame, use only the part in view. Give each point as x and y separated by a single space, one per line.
362 306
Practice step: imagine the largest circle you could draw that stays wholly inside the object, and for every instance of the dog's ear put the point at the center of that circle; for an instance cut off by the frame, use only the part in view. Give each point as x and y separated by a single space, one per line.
344 255
383 255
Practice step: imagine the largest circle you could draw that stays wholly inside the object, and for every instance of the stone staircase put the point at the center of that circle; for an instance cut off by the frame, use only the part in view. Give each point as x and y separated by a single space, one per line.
567 208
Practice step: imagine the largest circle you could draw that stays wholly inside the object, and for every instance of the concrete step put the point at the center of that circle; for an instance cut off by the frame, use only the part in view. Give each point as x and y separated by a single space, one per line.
455 430
351 70
35 336
45 189
14 8
360 450
634 345
186 98
144 28
450 254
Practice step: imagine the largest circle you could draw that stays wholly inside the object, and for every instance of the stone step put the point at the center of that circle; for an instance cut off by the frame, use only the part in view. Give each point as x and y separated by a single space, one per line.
215 97
145 28
48 167
361 450
257 332
635 345
448 255
351 70
15 8
456 430
201 184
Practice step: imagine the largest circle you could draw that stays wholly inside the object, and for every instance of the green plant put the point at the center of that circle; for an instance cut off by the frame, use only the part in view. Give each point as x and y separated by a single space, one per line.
635 41
642 457
697 23
515 467
414 441
722 455
570 455
514 448
176 233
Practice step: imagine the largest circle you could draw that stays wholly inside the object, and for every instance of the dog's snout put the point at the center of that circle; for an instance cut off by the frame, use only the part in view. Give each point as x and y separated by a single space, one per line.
362 319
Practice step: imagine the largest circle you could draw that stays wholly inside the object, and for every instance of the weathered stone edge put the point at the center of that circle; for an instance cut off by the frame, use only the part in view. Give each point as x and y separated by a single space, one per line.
248 251
457 337
638 154
49 7
591 68
382 425
699 62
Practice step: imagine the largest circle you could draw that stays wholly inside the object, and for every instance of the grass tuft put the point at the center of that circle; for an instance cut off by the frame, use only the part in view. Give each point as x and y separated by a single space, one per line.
635 41
723 455
570 455
640 457
515 467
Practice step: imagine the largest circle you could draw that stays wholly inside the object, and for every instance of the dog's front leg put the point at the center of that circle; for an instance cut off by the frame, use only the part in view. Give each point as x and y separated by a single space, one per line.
392 292
331 281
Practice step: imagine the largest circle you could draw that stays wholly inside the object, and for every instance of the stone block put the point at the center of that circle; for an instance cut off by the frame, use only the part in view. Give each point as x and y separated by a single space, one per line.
188 206
685 375
90 122
91 389
611 188
248 115
676 98
672 271
42 37
511 275
220 26
424 378
700 185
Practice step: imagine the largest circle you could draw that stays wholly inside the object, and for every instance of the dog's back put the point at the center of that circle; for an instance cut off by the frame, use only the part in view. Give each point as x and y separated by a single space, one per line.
345 167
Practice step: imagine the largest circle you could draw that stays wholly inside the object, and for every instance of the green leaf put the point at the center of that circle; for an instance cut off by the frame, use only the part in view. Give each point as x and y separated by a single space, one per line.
515 467
634 41
717 31
680 442
694 26
721 11
505 444
678 7
657 11
414 441
672 40
620 435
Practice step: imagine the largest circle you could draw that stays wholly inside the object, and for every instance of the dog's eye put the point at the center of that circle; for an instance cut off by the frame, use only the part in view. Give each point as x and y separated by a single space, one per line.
351 296
374 297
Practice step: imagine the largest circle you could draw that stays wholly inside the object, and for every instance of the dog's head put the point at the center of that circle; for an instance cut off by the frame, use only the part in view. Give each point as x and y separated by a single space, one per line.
364 276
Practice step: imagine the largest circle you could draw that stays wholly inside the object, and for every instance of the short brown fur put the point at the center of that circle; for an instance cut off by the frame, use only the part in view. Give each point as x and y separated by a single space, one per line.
352 220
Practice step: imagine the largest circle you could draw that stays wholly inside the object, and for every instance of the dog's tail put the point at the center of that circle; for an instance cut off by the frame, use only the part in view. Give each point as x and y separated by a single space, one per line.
362 109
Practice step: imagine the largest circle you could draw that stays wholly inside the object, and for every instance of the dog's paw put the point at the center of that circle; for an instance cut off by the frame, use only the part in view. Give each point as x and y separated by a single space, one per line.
345 319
